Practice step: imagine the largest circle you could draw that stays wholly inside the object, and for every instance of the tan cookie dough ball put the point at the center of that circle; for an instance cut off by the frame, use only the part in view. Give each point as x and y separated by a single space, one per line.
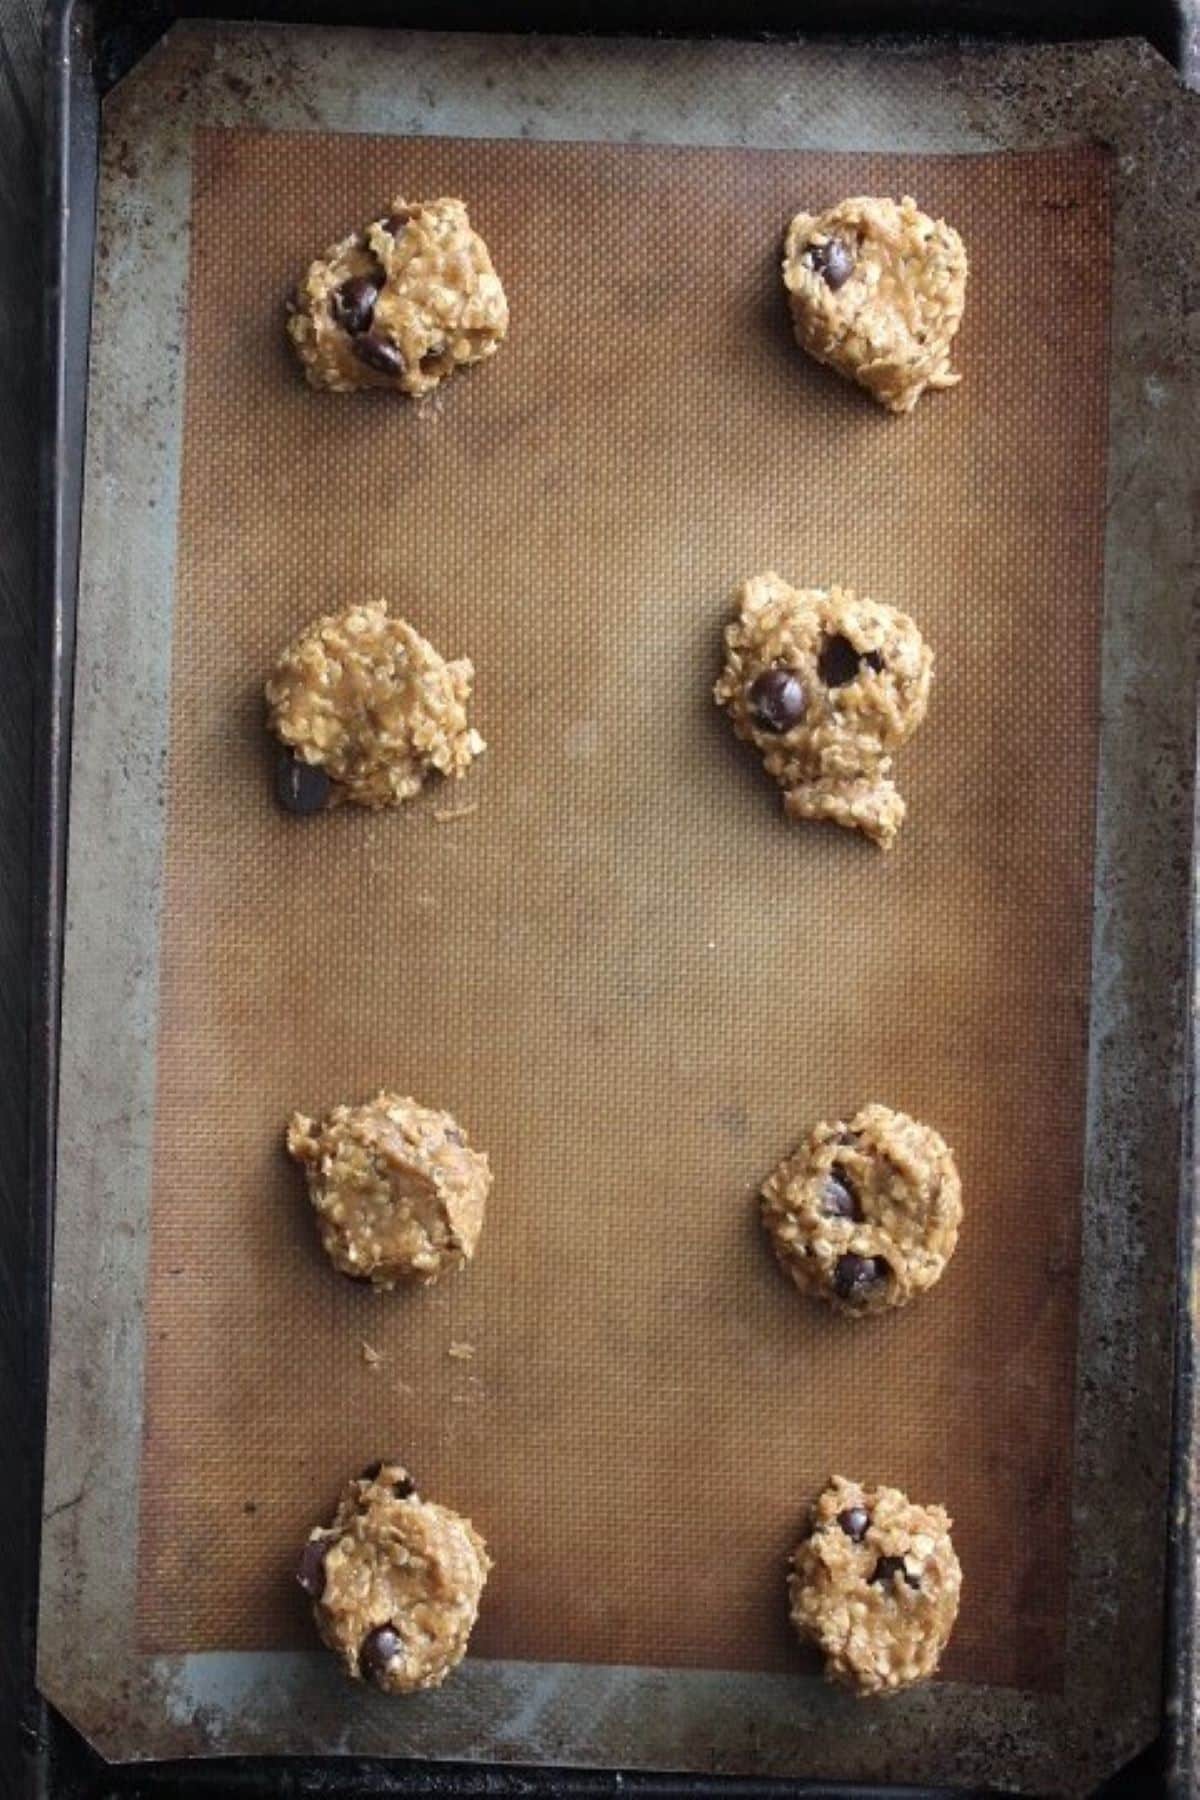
826 686
365 702
865 1215
401 304
398 1192
395 1582
875 1586
876 291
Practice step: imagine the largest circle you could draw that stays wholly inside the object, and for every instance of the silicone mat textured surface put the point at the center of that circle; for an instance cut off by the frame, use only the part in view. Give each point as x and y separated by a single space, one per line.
626 974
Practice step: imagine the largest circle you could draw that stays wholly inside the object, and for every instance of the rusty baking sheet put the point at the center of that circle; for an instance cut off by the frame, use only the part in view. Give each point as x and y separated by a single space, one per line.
638 1013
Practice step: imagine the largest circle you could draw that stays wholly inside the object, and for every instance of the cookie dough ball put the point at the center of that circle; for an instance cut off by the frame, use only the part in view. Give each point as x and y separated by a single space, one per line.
398 1192
875 1587
401 304
876 291
370 704
826 686
395 1582
865 1215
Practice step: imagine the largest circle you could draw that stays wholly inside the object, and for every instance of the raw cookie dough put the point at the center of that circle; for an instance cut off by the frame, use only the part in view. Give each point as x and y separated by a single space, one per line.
400 305
371 701
395 1582
876 291
865 1215
875 1586
826 686
398 1192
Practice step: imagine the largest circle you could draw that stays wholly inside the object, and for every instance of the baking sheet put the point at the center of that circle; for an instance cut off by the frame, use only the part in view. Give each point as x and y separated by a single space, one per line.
638 1015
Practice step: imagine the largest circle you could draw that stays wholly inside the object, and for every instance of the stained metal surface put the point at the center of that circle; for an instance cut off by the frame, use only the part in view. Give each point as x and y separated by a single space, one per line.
477 87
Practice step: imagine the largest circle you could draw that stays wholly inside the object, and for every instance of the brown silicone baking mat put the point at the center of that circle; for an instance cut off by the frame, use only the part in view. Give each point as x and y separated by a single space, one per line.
619 966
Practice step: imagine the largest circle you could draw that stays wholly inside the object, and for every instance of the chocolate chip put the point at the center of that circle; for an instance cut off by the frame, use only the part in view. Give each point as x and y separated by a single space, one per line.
838 1199
353 304
402 1488
776 699
378 353
300 787
833 261
377 1650
434 354
888 1567
854 1522
854 1275
310 1571
395 222
873 660
838 661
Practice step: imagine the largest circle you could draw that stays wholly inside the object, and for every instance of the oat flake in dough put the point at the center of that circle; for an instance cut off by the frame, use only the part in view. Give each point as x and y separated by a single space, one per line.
875 1586
876 291
398 1192
826 686
369 700
865 1215
401 304
395 1582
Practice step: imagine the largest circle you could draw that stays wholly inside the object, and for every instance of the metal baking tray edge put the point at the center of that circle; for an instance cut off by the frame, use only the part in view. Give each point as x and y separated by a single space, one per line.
87 47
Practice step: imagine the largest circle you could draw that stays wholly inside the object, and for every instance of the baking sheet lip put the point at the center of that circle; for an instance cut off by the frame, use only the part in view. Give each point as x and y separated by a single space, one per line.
1180 1698
70 147
189 1684
649 146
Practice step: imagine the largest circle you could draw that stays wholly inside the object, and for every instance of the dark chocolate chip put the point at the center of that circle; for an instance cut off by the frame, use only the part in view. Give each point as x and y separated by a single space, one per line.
854 1522
395 222
838 1198
402 1488
353 304
888 1567
434 354
833 261
776 699
377 1650
874 660
300 787
310 1571
378 353
838 661
854 1275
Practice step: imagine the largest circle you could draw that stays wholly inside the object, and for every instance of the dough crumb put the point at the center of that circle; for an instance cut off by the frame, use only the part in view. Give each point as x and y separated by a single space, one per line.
877 290
371 1356
463 1352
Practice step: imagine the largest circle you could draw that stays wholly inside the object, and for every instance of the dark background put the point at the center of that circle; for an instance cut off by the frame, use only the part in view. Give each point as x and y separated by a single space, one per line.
25 306
22 313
